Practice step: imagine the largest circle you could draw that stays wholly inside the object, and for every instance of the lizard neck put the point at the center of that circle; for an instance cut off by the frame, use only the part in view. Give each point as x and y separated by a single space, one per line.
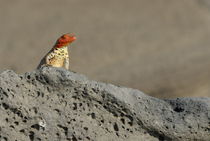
65 48
61 51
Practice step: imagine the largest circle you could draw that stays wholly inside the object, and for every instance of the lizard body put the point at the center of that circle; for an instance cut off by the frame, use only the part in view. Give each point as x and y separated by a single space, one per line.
58 56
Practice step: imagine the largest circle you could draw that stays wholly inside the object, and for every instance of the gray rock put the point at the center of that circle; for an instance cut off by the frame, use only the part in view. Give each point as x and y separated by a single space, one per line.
57 105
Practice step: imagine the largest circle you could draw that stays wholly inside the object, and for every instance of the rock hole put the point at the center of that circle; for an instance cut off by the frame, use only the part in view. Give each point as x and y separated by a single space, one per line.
37 78
115 114
99 102
86 128
5 138
16 123
12 126
207 129
5 94
115 126
88 104
31 135
75 106
74 138
47 81
22 131
58 111
161 138
93 115
85 93
122 115
105 107
35 110
35 126
122 120
48 89
64 128
5 106
179 109
117 134
130 123
18 112
24 121
28 77
38 93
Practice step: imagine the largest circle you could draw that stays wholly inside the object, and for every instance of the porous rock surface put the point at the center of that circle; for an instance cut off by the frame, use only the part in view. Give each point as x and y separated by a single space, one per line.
52 104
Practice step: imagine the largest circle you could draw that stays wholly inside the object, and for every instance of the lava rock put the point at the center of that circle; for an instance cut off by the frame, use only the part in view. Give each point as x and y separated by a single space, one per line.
58 105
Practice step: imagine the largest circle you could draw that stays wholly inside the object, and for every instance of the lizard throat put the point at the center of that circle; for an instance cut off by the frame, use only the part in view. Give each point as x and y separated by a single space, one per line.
61 49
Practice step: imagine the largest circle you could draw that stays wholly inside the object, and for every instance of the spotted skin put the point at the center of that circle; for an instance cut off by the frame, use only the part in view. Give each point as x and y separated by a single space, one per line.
58 56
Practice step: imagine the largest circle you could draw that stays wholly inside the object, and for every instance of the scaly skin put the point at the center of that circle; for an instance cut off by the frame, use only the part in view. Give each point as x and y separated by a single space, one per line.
58 56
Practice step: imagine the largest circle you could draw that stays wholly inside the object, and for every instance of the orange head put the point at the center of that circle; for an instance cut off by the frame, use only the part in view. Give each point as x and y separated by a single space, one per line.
64 40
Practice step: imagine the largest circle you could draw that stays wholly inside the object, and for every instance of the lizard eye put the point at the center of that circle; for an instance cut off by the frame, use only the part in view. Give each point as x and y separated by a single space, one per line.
63 37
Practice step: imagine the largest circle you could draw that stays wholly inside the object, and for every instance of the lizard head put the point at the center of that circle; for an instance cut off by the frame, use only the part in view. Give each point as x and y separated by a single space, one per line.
64 40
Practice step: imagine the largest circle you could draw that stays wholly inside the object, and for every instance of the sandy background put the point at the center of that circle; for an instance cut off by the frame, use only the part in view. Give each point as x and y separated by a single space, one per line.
160 47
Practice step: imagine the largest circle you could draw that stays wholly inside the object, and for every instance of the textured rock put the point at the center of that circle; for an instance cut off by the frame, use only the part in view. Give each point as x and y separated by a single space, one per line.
54 104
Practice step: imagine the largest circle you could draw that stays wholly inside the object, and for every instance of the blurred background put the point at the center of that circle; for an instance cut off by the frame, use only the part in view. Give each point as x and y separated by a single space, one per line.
161 47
